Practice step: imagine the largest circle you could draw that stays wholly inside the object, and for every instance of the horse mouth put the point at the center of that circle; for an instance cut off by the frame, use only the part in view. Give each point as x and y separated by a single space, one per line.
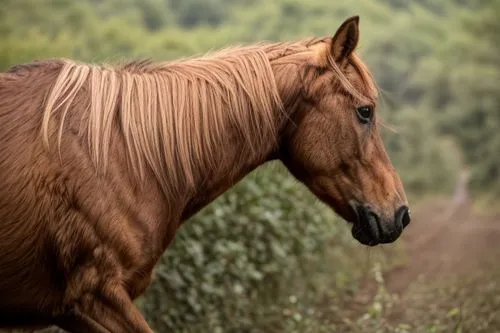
366 235
368 230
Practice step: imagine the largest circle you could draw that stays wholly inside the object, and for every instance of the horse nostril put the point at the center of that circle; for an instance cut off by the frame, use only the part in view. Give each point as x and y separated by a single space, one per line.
403 216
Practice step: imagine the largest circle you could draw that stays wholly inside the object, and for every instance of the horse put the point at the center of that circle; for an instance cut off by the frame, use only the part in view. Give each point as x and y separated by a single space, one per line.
101 164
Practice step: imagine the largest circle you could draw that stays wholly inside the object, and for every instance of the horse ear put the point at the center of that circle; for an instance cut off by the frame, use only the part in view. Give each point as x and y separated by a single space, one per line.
346 39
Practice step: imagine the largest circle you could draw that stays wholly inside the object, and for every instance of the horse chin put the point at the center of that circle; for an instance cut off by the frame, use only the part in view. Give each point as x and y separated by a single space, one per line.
362 236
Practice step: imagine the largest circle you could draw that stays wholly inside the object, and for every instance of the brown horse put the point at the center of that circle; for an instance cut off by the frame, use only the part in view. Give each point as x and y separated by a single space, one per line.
100 165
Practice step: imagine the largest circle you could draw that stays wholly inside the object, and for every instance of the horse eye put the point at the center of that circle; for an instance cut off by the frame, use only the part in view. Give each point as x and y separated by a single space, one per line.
365 113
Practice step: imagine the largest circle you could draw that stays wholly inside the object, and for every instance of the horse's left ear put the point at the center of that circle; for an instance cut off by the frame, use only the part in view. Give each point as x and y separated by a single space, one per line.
346 39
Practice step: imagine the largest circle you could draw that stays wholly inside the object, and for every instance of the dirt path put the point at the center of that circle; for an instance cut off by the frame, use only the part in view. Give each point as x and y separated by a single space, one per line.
445 242
440 245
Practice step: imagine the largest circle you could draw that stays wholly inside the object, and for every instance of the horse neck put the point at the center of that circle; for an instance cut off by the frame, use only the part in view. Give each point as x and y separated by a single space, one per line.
235 159
235 163
166 208
220 182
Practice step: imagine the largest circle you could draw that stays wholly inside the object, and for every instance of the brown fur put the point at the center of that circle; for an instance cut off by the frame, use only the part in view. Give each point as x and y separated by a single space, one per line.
99 165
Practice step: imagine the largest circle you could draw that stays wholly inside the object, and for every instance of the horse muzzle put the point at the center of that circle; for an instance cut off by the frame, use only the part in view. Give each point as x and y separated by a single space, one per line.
370 229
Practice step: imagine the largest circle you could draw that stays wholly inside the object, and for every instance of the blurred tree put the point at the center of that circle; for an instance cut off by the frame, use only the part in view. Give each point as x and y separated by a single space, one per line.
199 12
464 91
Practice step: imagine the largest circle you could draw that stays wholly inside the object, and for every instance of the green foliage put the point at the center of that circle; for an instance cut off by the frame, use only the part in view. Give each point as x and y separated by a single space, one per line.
469 95
256 261
237 252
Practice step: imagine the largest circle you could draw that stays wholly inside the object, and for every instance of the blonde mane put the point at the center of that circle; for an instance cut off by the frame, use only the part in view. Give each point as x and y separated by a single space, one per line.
174 115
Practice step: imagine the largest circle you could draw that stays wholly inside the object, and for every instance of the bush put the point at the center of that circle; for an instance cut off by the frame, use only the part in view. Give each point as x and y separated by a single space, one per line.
233 262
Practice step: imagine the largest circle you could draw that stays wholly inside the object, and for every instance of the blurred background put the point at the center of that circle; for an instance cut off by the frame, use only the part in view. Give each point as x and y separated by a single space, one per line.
267 256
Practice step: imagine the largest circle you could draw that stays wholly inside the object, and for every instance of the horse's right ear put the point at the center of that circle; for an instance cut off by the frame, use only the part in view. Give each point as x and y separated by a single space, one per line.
346 39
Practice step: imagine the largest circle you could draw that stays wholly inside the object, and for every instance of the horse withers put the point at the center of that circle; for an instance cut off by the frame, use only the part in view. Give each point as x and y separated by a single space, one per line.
99 165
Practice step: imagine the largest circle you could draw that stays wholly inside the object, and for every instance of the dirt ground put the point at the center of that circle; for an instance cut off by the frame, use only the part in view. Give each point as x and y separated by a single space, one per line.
441 247
447 241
